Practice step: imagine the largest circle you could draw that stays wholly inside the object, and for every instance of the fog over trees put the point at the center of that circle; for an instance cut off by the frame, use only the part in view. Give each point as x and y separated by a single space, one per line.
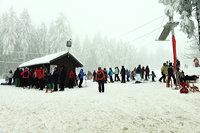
21 41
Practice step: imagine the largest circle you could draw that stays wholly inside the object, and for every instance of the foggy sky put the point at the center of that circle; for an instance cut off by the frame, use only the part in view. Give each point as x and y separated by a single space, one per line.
112 18
109 17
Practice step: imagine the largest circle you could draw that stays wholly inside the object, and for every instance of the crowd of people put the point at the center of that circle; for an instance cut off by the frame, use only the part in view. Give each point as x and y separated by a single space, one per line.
172 76
39 79
137 74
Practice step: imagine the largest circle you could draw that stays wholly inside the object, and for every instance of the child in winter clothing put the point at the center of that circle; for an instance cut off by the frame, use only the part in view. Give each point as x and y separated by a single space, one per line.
110 73
94 76
10 76
49 83
128 75
153 75
80 76
106 74
117 74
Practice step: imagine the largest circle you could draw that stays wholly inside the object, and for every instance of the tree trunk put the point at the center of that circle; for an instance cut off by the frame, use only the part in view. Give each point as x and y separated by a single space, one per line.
198 20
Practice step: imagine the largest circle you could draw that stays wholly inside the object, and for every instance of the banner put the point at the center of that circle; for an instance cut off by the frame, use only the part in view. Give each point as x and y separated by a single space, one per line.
174 50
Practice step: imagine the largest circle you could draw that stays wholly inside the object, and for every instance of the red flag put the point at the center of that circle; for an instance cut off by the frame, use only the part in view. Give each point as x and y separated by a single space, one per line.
174 50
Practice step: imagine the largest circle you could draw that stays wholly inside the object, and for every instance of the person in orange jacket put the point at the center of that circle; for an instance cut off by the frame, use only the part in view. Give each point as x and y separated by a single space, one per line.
40 76
101 79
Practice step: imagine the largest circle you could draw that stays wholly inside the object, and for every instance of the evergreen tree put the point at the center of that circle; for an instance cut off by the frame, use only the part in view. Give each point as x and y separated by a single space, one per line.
25 33
51 38
86 55
186 8
1 32
42 39
76 47
9 32
60 33
192 49
35 48
22 41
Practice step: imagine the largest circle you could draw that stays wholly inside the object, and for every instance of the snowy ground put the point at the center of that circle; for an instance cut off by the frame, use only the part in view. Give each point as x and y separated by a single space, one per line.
123 108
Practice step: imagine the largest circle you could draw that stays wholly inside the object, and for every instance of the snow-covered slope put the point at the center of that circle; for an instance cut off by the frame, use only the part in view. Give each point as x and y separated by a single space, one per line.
123 108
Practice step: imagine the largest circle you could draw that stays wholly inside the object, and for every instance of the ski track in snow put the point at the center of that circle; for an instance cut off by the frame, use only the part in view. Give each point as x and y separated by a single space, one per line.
123 108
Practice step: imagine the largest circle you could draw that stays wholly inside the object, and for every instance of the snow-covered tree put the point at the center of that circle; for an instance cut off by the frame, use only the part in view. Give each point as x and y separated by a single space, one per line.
87 57
42 39
1 32
59 34
24 41
25 33
35 48
192 49
98 49
76 47
51 37
186 8
8 40
9 31
105 52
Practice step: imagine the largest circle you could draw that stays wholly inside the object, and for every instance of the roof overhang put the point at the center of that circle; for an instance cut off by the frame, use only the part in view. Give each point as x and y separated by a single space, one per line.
48 59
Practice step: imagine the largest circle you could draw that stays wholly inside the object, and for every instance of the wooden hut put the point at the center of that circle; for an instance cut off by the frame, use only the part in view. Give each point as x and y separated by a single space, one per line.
49 62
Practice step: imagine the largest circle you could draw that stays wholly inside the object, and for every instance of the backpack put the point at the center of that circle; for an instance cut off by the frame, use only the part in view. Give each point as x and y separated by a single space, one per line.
79 75
100 75
26 74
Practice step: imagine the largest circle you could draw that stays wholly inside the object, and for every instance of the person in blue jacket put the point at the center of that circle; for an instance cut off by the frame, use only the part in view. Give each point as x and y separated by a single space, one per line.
80 75
128 75
110 73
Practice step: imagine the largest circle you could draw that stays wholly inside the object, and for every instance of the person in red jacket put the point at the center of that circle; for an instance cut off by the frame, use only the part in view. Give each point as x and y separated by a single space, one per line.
71 79
40 76
100 78
25 78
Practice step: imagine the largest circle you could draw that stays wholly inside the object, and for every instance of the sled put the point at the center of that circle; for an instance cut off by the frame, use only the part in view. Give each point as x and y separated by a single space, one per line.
194 88
192 78
138 82
7 84
184 90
